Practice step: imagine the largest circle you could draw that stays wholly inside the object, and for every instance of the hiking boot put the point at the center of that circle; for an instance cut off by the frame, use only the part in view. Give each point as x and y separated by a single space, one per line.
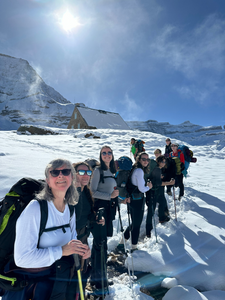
169 193
148 235
132 250
120 248
165 220
99 292
179 198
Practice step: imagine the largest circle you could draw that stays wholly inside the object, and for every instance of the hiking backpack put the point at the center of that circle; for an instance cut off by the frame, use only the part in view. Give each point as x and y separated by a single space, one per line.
93 163
188 157
11 208
139 144
123 166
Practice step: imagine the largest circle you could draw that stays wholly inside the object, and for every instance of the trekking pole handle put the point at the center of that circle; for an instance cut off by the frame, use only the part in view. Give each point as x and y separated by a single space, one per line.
77 261
100 213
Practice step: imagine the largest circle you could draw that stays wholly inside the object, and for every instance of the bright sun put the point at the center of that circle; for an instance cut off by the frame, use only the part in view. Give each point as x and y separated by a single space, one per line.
68 22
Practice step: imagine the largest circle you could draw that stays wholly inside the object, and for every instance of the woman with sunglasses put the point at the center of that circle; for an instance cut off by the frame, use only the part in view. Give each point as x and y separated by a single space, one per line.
103 188
49 256
136 188
85 220
157 195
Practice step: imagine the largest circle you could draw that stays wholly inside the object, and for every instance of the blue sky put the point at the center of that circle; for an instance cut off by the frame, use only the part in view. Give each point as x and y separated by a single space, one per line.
158 60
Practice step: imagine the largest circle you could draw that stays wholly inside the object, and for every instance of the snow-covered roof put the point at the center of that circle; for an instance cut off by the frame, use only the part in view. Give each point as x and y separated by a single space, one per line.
102 119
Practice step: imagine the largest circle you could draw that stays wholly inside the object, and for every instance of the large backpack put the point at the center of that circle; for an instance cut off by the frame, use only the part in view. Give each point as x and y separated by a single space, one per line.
139 144
123 166
188 157
11 208
93 163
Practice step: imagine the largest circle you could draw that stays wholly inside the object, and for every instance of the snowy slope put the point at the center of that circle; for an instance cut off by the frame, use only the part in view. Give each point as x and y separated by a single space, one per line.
26 98
190 251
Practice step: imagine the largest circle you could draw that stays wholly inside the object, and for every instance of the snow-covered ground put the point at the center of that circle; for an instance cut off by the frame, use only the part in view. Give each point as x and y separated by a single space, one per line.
189 253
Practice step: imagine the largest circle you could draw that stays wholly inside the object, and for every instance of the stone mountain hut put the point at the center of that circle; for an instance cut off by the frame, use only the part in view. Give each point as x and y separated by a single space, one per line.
89 118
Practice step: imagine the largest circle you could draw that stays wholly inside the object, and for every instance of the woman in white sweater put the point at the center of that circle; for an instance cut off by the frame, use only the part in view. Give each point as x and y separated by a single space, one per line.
47 255
136 187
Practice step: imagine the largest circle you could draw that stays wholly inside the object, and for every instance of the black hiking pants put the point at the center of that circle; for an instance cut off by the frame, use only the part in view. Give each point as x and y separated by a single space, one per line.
179 183
152 198
99 256
136 212
99 247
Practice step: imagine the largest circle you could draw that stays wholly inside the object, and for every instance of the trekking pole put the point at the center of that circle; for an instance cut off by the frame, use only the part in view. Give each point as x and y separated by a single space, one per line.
152 194
118 224
77 264
129 224
153 215
174 203
100 213
103 269
128 266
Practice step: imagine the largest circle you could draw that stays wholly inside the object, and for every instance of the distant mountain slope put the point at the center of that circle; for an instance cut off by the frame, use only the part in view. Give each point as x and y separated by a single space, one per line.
26 98
191 133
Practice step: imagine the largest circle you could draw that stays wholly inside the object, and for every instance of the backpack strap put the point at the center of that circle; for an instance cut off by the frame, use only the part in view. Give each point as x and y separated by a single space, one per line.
130 186
72 209
102 176
44 217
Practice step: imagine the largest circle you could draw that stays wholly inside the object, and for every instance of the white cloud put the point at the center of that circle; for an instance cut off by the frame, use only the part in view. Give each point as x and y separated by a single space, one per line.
198 54
196 51
131 108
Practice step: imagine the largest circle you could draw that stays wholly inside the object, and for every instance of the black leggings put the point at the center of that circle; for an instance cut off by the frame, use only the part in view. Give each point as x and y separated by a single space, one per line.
136 212
153 197
99 247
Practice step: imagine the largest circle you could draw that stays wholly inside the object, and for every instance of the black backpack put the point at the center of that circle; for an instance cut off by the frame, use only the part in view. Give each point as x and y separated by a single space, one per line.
93 163
123 166
11 208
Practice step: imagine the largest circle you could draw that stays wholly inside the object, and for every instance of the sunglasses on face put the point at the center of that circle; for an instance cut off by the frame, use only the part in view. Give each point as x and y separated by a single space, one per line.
145 159
65 172
105 153
83 172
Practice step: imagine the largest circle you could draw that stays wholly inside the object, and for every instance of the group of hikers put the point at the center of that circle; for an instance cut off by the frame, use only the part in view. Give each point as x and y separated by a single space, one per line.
81 201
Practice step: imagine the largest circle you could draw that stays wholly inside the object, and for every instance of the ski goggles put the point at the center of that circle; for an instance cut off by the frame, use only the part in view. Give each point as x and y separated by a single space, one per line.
65 172
83 172
105 153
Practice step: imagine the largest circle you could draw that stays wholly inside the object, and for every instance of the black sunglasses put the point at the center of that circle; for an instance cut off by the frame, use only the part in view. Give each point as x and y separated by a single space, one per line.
145 159
82 172
105 153
65 172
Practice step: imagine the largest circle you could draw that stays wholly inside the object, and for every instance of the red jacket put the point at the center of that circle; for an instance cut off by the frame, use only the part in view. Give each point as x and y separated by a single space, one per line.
179 154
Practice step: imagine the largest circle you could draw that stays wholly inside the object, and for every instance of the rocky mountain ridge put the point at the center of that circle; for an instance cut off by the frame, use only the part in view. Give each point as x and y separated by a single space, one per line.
193 134
26 98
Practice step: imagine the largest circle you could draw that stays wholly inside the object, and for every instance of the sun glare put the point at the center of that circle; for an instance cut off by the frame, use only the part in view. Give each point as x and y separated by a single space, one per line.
68 22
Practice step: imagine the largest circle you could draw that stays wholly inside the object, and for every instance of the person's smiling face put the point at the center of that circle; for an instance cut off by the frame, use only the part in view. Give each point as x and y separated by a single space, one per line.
144 160
60 182
83 179
106 155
